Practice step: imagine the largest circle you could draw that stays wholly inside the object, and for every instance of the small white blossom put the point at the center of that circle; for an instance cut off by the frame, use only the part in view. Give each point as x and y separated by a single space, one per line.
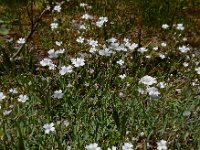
21 41
66 123
92 50
162 145
133 46
165 26
197 70
101 21
92 43
93 146
163 44
57 8
77 62
112 40
180 26
54 25
113 148
87 16
162 85
49 127
142 49
105 52
153 91
22 98
52 53
2 96
184 49
127 146
46 62
155 48
83 4
148 80
120 62
58 94
162 56
123 76
185 64
59 43
7 112
80 39
65 69
141 91
13 91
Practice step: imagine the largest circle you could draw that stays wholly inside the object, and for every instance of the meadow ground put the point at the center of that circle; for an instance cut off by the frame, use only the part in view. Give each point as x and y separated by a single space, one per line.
105 74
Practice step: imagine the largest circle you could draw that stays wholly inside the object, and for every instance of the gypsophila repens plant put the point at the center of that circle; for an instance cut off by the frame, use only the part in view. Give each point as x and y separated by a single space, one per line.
99 75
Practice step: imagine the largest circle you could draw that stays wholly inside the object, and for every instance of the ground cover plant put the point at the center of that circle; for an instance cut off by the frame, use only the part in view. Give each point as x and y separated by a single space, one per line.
109 74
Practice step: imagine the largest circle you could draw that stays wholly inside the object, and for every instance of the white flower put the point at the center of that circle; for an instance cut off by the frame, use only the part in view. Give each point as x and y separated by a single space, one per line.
66 123
185 64
13 90
162 145
80 39
59 43
184 49
92 43
57 8
60 51
52 53
87 16
162 85
2 96
77 62
65 69
120 48
49 127
83 4
127 146
197 70
120 62
153 91
155 48
105 52
52 66
142 49
58 94
141 91
123 76
148 80
113 148
46 62
92 50
104 19
162 56
163 44
93 146
133 46
7 112
180 26
165 26
54 25
22 98
21 41
82 27
101 21
112 40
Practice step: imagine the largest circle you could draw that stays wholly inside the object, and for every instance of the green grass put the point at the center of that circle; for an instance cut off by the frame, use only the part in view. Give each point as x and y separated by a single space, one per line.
100 106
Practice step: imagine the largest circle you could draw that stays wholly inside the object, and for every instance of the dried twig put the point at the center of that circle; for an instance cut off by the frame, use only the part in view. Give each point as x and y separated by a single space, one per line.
29 34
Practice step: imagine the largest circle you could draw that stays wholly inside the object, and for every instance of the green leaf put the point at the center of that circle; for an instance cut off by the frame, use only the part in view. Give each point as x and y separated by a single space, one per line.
4 31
